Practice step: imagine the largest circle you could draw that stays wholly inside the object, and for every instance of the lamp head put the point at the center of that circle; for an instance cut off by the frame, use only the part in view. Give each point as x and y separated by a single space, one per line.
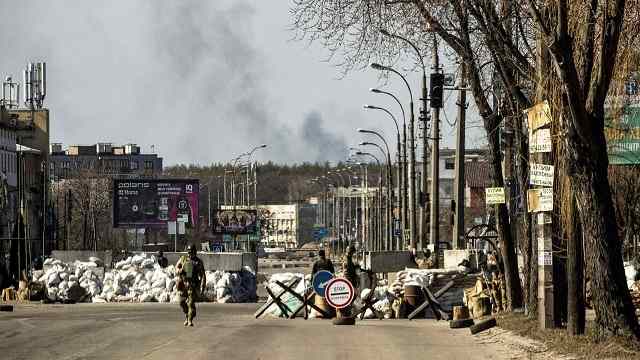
263 146
374 90
363 143
376 66
384 32
360 130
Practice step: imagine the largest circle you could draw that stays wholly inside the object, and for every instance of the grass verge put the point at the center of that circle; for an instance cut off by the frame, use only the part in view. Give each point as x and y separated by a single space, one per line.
588 346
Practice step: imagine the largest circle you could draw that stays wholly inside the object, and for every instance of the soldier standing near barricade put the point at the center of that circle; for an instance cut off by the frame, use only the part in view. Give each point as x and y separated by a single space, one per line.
162 260
350 273
191 282
322 264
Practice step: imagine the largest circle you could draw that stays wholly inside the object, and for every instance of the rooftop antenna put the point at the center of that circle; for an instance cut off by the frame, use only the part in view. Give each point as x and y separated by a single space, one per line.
35 85
10 93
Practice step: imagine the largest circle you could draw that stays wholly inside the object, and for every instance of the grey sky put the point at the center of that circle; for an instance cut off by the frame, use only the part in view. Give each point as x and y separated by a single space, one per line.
201 80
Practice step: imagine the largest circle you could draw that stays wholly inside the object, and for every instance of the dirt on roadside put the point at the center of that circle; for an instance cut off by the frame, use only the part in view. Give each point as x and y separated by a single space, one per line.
526 340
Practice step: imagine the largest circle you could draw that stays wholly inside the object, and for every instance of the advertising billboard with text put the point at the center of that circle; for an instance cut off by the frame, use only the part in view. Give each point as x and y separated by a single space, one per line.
239 221
141 203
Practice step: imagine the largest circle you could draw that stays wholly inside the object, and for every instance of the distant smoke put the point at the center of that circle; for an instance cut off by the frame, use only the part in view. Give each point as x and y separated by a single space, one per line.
319 144
182 75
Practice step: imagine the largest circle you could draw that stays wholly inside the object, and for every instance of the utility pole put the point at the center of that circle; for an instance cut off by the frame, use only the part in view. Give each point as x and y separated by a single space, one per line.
412 183
424 118
436 103
458 221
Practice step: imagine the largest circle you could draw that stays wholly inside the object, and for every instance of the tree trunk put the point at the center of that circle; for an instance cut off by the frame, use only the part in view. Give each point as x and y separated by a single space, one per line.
615 312
575 278
507 248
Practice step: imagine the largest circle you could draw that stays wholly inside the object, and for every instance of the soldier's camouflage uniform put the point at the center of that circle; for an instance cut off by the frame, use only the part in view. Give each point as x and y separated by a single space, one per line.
192 275
350 269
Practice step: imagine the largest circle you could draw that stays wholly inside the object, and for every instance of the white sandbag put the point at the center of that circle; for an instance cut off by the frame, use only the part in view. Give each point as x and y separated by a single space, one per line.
147 263
52 293
53 279
146 297
98 299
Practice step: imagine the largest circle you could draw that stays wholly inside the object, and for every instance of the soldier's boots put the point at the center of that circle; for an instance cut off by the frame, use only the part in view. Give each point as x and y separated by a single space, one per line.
190 323
186 322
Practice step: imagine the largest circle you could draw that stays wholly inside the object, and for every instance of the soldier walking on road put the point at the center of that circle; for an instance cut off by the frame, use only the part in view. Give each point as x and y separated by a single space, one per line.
191 282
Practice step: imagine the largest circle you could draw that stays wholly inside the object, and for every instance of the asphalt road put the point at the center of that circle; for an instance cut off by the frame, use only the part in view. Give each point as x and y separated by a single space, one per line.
222 331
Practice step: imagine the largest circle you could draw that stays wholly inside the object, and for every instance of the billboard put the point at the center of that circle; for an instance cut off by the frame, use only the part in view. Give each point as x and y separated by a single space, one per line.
141 203
238 221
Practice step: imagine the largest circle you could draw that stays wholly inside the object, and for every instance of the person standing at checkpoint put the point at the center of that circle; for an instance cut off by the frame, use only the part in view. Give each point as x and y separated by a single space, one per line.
191 282
350 273
322 264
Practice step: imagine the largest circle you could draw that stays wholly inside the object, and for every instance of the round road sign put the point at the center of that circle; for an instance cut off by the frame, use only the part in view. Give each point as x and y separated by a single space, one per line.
320 281
339 293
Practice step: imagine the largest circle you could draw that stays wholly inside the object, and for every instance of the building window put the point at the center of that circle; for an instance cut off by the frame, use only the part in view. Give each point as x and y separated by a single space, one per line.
133 165
449 165
148 165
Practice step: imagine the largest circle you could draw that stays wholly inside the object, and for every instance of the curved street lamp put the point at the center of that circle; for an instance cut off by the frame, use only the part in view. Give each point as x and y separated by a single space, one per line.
412 158
402 176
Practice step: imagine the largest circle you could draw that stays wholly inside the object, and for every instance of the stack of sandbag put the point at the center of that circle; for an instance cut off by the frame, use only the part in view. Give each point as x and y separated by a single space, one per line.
383 302
138 278
60 278
407 277
225 287
289 300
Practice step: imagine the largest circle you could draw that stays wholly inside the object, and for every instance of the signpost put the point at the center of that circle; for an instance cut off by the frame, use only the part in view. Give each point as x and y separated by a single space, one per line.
494 195
339 293
541 174
540 141
540 200
320 281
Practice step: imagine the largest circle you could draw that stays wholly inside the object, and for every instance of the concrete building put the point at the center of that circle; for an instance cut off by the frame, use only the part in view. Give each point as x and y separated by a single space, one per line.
287 226
102 159
447 172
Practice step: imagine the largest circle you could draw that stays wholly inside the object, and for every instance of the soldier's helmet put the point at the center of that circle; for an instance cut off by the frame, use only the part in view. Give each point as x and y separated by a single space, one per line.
352 249
191 250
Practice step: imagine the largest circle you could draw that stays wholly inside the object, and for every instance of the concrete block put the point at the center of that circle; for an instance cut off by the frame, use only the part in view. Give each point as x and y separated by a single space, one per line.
387 261
453 257
220 261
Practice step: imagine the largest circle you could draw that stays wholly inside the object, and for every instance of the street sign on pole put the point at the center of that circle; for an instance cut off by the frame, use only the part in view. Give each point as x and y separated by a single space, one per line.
320 281
339 293
494 195
541 174
171 226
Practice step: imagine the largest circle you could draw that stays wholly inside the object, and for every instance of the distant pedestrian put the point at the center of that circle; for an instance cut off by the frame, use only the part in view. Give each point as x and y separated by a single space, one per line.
162 260
322 264
191 283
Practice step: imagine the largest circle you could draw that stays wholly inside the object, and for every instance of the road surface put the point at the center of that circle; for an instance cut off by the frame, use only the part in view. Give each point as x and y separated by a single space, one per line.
222 331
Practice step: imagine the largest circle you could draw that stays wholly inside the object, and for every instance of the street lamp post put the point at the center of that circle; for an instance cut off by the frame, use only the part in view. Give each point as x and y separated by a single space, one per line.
377 240
388 232
387 239
402 169
400 193
412 159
